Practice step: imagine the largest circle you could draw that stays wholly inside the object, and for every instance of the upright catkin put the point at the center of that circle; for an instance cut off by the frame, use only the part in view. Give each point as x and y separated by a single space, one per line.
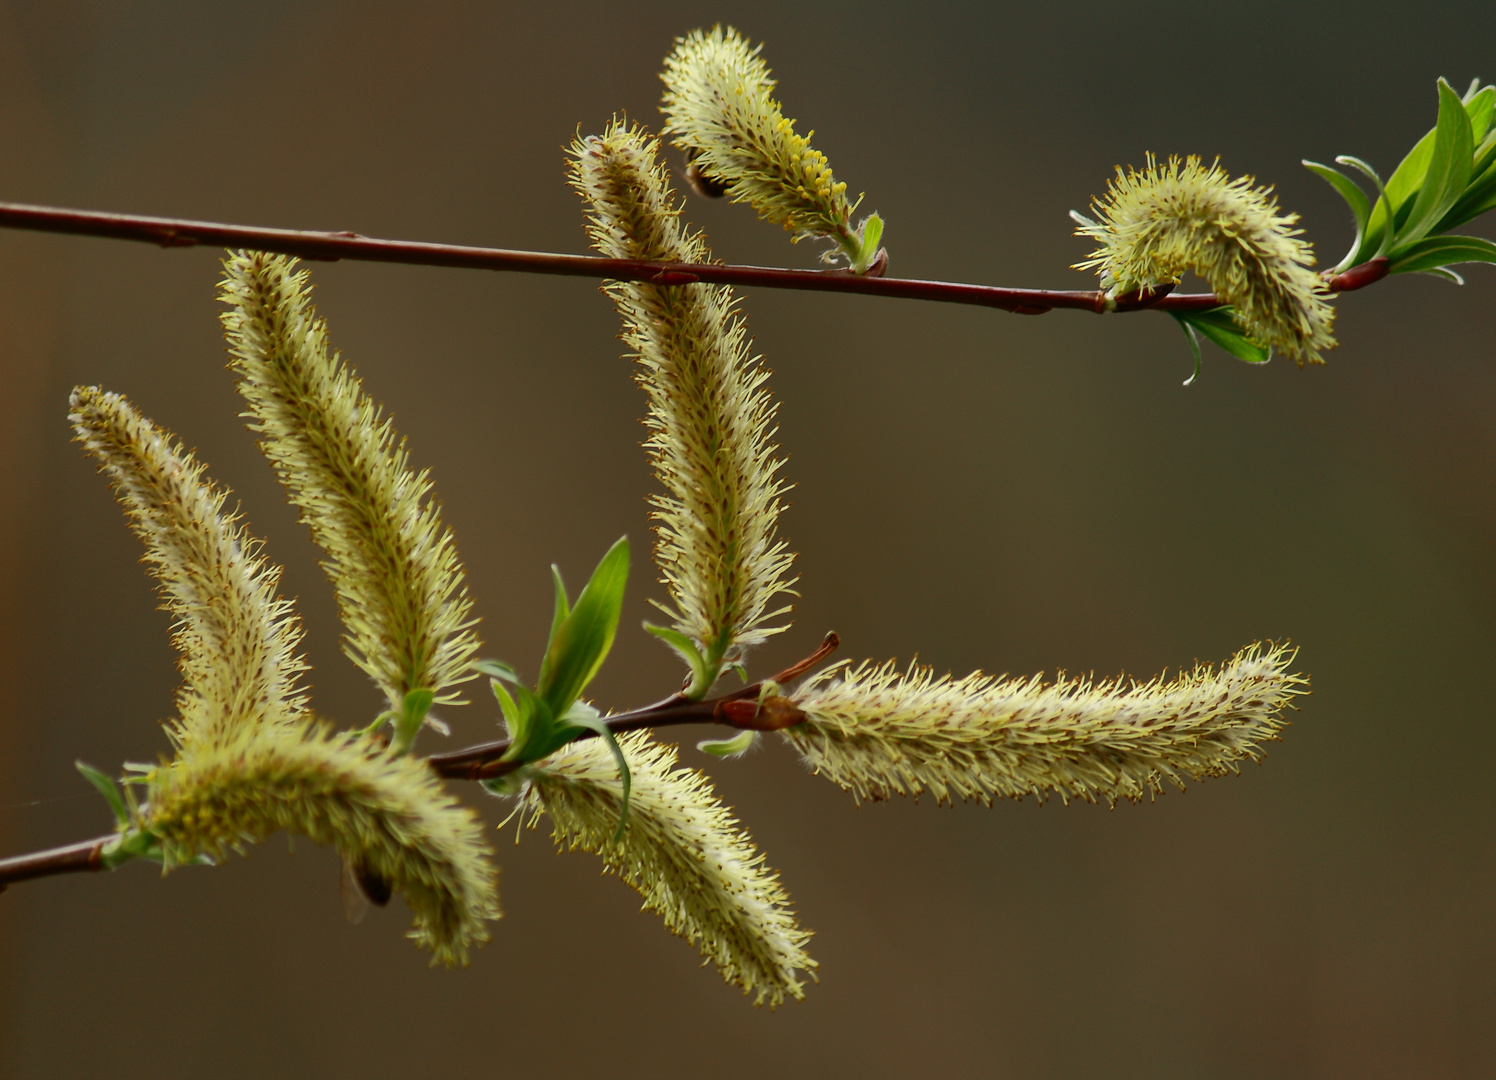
878 732
684 854
711 419
393 562
236 639
1158 222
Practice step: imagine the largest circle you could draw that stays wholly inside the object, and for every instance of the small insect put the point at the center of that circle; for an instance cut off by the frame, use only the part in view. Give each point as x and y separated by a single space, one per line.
708 187
361 887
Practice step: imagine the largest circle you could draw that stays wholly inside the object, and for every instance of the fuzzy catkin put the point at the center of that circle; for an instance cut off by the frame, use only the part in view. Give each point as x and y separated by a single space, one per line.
236 638
684 854
711 419
879 733
392 560
388 814
1156 223
719 105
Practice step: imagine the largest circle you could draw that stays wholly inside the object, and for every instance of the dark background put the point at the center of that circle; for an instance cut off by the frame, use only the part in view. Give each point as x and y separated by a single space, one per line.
976 488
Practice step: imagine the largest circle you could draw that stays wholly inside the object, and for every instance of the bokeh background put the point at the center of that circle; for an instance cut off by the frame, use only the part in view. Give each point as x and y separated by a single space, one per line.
980 489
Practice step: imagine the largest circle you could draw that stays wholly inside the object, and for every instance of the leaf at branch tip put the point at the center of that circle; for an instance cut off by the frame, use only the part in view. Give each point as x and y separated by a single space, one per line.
106 787
1448 170
1194 339
581 641
497 669
701 674
729 748
1437 252
1355 198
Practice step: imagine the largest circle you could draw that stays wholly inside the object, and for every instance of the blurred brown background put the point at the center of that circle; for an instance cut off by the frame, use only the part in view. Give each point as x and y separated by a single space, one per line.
977 488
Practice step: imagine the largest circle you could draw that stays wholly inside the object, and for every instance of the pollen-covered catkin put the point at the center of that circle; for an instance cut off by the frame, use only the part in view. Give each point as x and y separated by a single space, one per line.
684 854
236 638
392 560
389 814
879 733
1159 222
719 105
711 418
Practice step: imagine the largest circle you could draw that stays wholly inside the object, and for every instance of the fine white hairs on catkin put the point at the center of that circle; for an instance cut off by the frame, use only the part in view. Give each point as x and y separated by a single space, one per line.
879 732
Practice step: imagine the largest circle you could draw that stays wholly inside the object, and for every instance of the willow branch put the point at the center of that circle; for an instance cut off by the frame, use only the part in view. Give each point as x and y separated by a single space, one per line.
83 857
334 246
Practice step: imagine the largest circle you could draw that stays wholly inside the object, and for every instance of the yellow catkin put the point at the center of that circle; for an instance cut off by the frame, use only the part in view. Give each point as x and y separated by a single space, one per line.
390 815
878 732
684 854
711 418
1159 222
719 105
393 562
236 638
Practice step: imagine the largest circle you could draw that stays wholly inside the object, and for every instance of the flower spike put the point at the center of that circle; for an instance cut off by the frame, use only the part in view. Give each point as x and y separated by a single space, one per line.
684 854
719 105
711 419
878 733
236 638
1159 222
394 563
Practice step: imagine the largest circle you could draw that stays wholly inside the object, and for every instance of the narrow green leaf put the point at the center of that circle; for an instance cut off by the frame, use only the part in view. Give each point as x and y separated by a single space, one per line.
1376 234
1480 193
496 669
1448 170
535 735
725 748
513 719
562 610
587 717
1218 326
106 787
581 642
1356 198
1194 340
1479 107
412 714
872 234
685 648
1436 252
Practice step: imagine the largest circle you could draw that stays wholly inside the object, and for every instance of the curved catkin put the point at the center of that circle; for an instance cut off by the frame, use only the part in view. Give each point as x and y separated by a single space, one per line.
236 638
389 815
1156 223
711 419
879 733
684 854
719 105
394 564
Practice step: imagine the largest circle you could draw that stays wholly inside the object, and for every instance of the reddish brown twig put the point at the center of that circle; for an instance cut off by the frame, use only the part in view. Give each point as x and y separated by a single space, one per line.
77 858
332 246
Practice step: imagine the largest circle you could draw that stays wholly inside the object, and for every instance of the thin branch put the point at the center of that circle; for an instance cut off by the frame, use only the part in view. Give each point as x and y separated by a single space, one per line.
83 857
333 246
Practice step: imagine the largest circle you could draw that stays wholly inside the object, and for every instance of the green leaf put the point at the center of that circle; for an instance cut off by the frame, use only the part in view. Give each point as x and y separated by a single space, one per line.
563 609
1218 326
534 734
582 715
1479 107
702 676
1480 193
514 719
1356 198
872 233
728 747
496 669
106 787
1448 169
1436 252
412 713
580 644
1382 237
1194 340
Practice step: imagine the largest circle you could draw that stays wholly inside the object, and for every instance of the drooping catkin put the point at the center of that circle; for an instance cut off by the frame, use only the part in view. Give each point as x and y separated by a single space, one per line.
711 419
719 105
1156 223
236 638
388 814
879 733
392 560
684 854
